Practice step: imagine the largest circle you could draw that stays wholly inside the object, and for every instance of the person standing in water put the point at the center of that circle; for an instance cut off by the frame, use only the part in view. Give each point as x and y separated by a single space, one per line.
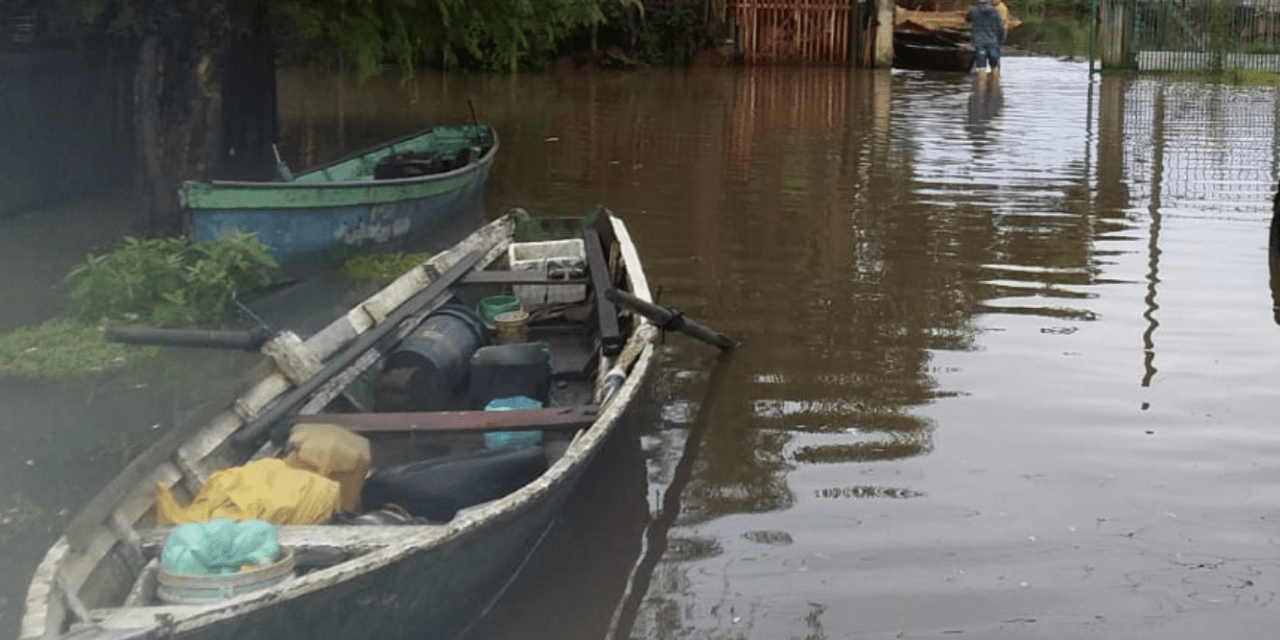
986 34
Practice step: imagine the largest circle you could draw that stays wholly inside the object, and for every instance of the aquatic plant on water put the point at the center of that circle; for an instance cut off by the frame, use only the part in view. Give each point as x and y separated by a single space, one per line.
64 348
164 282
381 268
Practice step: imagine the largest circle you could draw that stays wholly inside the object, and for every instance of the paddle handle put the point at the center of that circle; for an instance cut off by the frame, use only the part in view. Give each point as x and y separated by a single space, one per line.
250 340
671 319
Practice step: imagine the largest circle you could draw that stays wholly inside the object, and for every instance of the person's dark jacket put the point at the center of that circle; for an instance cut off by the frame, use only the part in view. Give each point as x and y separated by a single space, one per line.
985 24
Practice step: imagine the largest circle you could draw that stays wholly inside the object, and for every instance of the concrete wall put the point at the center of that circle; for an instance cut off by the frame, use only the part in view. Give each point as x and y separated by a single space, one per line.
65 128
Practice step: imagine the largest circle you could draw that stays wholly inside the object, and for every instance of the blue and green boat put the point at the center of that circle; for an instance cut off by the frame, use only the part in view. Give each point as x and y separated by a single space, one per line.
384 197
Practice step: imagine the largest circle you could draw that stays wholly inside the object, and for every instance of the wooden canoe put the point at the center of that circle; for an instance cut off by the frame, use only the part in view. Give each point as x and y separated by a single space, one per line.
936 40
368 580
341 206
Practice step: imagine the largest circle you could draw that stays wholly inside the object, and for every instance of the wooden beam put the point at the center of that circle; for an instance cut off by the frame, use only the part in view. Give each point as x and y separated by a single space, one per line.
611 338
251 433
556 418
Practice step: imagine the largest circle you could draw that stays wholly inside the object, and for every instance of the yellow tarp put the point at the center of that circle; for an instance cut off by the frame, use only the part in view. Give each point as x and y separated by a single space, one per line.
334 452
930 21
266 489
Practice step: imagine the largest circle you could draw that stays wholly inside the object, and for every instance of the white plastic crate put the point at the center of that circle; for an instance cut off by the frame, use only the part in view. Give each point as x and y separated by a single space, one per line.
565 255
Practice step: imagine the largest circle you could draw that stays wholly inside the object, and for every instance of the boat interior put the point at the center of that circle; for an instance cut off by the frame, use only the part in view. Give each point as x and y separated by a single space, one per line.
440 149
449 396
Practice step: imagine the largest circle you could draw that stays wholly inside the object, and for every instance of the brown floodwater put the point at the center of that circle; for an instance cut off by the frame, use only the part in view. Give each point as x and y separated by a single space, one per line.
1009 366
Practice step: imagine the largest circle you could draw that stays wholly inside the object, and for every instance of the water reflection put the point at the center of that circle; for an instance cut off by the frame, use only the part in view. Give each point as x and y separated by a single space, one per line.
1273 255
1273 261
985 100
949 302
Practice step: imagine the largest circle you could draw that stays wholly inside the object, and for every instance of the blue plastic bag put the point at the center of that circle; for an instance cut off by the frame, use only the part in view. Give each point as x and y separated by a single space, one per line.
219 547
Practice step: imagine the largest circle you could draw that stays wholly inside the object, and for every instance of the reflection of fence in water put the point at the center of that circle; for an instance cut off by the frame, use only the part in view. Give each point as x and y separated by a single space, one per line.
768 99
1201 143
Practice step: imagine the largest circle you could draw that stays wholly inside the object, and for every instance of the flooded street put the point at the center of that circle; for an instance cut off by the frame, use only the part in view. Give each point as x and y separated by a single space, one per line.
1009 369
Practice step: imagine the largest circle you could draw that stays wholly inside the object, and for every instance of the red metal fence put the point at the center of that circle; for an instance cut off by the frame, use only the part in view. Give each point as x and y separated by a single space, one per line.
794 32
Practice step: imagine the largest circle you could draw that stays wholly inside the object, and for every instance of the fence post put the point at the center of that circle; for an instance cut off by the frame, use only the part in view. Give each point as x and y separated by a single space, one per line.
1093 35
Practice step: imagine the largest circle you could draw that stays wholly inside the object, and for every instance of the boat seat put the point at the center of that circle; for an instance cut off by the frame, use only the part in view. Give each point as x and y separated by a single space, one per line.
555 418
519 277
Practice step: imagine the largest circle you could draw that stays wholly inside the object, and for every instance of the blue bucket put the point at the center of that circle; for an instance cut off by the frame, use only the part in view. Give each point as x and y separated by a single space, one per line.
495 439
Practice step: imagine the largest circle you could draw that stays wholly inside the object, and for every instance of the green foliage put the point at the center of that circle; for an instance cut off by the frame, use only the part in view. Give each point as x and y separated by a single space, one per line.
1242 77
62 348
1221 32
381 268
1053 36
168 282
671 34
1027 9
493 35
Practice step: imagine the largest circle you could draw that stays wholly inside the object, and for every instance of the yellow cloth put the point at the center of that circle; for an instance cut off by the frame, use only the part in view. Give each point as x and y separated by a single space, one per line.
265 489
334 452
1003 9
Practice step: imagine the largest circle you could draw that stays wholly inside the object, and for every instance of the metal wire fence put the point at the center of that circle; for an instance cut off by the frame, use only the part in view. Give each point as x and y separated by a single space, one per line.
1189 35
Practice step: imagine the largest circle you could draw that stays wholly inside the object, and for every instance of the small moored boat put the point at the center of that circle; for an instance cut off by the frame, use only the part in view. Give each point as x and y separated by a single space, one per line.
934 40
376 573
382 197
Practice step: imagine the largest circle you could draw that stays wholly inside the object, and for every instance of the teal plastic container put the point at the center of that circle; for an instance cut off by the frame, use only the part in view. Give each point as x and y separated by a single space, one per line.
495 439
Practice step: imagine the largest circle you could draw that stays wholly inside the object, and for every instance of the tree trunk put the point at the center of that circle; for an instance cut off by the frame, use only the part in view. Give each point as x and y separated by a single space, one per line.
249 93
151 173
178 119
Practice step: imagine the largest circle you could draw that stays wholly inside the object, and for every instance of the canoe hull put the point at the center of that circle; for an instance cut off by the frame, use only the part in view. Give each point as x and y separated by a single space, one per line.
913 51
295 234
434 592
314 216
377 580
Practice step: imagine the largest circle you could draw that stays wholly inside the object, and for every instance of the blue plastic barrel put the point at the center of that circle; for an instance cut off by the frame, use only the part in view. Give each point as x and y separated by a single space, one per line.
438 356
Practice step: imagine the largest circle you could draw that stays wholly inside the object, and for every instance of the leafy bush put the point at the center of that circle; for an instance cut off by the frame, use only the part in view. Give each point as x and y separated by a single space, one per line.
671 33
168 282
1058 36
489 35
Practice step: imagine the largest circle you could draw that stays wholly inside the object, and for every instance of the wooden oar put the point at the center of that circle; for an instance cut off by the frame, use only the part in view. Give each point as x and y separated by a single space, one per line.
251 432
671 319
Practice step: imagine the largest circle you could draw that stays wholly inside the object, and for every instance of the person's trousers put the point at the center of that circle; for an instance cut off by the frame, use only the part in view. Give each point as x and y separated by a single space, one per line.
987 56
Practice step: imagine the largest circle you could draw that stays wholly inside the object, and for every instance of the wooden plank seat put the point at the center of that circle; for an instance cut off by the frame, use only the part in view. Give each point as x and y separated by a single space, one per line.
519 277
552 418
